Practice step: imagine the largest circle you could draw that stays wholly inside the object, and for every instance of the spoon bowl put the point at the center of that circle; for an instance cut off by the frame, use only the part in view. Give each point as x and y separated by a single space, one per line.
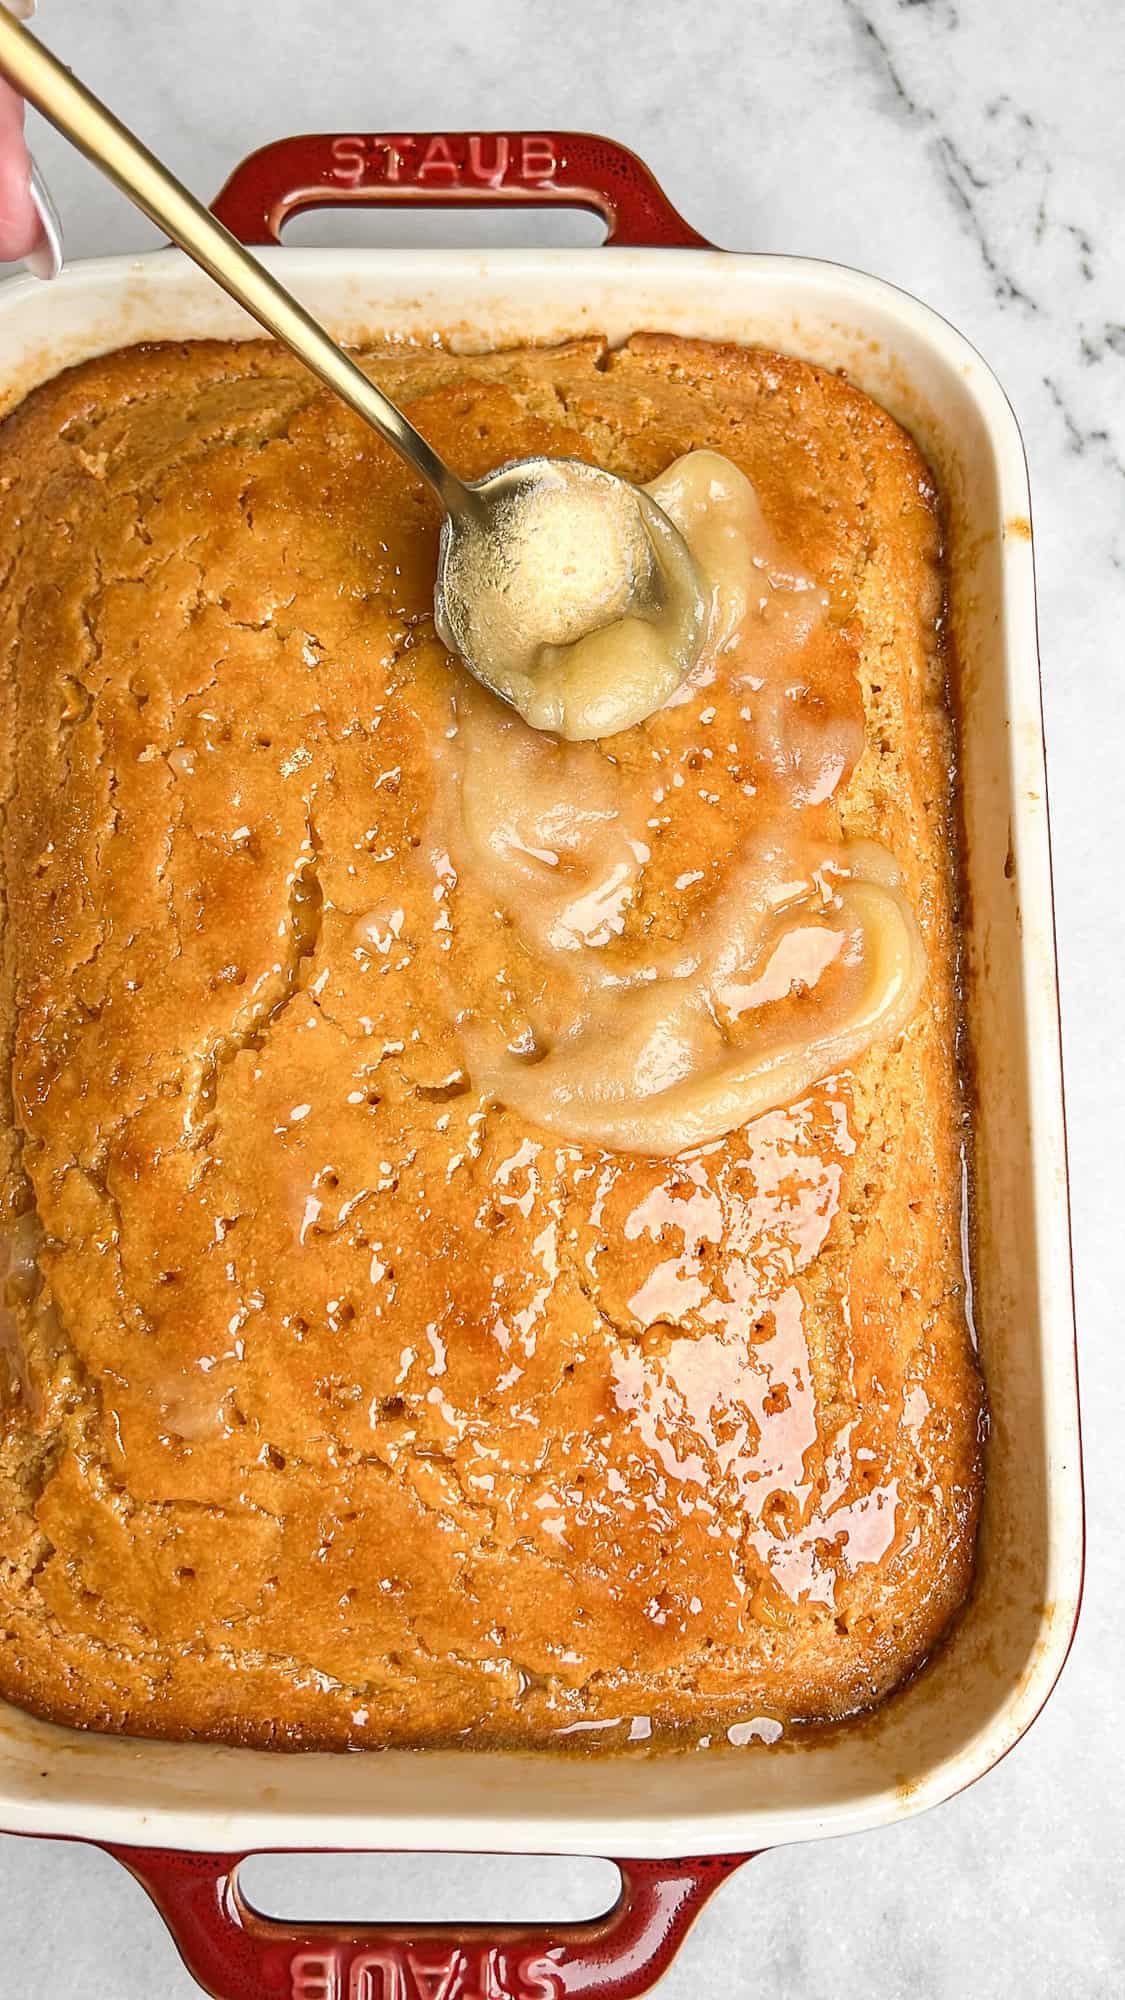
569 593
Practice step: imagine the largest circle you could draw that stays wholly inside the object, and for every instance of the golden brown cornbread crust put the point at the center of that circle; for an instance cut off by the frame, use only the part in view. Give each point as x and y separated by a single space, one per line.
347 1424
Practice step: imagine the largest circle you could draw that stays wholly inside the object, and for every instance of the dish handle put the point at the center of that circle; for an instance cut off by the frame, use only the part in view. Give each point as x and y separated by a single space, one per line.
236 1953
452 169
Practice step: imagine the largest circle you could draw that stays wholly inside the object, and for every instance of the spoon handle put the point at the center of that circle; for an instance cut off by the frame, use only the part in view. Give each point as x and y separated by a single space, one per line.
86 122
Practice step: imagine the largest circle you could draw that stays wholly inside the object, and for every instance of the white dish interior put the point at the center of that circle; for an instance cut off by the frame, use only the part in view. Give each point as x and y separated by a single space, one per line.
988 1684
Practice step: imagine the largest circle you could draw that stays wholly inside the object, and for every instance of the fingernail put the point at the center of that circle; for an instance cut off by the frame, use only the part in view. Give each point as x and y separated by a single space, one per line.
46 260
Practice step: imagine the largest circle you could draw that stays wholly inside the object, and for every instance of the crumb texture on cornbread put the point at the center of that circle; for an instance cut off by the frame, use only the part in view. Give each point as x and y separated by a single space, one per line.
339 1406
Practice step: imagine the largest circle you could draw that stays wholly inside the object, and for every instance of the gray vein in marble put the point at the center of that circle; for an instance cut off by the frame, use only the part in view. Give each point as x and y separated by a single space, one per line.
1111 340
1092 440
948 9
990 164
877 55
963 181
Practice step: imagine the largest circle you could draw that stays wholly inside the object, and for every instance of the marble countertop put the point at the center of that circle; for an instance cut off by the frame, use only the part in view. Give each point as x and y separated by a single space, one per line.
971 153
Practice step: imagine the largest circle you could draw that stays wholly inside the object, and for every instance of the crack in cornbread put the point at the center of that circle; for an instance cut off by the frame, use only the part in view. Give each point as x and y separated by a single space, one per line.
338 1405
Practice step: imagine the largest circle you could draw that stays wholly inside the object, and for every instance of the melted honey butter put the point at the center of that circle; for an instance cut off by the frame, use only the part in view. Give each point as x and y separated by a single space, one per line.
20 1299
647 1037
718 513
611 677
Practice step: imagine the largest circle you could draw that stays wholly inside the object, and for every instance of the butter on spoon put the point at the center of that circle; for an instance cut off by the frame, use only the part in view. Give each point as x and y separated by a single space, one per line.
571 594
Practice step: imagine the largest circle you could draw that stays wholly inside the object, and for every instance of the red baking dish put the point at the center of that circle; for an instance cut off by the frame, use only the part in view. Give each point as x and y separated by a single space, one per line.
206 1807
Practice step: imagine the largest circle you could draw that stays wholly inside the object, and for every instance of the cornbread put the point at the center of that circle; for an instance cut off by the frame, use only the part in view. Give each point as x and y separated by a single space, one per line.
342 1403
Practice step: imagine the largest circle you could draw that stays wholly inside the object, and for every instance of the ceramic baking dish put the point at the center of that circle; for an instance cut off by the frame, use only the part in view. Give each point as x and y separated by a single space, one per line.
181 1815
